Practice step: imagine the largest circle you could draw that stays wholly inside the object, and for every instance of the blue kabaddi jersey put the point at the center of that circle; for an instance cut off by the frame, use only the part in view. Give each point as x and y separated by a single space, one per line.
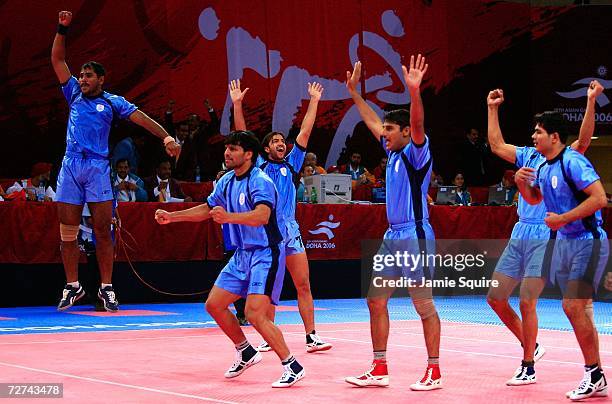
407 178
286 176
90 119
529 157
562 181
243 194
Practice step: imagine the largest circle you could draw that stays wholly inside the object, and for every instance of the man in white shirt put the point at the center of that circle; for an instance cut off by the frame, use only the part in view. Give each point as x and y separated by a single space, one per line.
127 186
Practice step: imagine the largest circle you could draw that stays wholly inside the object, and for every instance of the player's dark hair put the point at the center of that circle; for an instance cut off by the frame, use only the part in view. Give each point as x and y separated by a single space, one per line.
552 122
96 67
268 138
245 139
399 117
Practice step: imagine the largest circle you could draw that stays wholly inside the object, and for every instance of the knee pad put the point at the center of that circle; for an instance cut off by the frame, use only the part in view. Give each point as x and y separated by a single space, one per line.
424 307
69 232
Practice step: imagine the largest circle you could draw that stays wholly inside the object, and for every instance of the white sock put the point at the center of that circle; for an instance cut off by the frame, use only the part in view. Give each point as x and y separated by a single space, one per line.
74 284
102 286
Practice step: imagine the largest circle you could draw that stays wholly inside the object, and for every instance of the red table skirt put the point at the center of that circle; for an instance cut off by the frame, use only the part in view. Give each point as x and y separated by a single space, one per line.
29 231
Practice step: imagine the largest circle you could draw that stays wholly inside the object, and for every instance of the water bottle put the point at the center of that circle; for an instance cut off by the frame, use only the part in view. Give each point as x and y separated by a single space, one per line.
306 197
313 195
197 174
40 192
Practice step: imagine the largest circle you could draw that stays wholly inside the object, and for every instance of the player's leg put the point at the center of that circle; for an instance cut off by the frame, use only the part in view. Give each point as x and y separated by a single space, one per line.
297 264
507 275
70 217
378 374
422 300
217 306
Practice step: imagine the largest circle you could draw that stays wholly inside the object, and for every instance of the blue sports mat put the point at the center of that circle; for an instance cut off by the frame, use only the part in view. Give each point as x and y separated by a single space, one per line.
463 309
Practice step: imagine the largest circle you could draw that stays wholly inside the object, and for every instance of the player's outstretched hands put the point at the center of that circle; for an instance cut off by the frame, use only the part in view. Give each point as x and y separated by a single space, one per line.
65 17
414 76
315 90
162 216
219 215
495 98
235 93
352 79
594 90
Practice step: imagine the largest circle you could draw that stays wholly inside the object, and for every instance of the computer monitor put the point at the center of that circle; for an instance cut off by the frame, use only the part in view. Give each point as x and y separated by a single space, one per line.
499 195
330 188
446 196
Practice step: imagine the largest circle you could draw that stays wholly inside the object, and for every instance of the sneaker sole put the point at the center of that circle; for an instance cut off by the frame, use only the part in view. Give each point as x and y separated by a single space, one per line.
254 361
601 393
104 304
368 383
321 348
520 382
420 387
76 299
298 377
268 349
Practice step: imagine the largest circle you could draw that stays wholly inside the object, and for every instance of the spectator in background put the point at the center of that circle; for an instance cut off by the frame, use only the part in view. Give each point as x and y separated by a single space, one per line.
311 159
36 187
188 161
128 149
509 183
380 172
463 196
163 188
436 180
127 187
474 152
358 172
307 171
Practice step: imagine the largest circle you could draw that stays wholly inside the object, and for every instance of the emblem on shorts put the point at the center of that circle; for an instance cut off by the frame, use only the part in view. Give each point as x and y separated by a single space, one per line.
397 166
100 107
283 171
553 181
242 198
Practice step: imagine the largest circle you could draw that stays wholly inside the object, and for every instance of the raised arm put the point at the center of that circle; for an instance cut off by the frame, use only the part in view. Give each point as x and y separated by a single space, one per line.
369 117
237 95
142 119
494 133
315 90
588 122
413 79
196 214
58 51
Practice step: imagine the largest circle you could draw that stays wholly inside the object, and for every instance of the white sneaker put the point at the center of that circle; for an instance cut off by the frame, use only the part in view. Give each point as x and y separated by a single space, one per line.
523 375
317 344
430 381
589 388
289 377
538 353
377 376
264 347
239 366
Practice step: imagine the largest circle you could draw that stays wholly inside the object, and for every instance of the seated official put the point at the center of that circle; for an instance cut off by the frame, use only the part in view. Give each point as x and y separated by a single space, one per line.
463 196
163 188
36 187
127 187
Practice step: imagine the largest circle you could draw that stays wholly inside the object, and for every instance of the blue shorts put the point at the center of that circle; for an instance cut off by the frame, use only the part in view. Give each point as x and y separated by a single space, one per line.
258 271
83 180
524 256
293 241
583 257
416 241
